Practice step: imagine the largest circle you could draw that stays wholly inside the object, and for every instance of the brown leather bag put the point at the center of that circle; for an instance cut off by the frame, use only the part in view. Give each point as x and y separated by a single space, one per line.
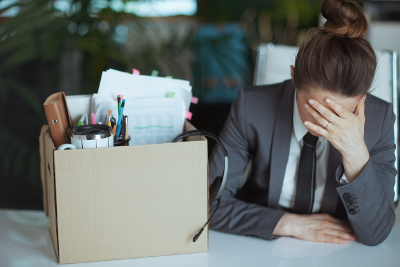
58 118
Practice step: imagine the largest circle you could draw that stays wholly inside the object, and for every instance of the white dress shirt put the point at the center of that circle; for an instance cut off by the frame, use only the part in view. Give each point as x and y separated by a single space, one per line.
288 193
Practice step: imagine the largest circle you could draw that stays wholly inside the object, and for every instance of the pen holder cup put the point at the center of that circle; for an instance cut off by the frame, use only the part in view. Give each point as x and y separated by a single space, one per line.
124 142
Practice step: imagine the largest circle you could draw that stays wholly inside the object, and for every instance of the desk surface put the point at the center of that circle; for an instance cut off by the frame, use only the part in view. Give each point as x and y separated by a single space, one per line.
25 241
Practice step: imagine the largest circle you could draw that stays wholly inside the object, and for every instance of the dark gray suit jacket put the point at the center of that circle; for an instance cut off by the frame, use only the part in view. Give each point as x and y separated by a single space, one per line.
259 126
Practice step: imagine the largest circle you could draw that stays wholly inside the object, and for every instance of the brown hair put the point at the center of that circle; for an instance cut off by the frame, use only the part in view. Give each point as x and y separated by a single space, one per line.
336 57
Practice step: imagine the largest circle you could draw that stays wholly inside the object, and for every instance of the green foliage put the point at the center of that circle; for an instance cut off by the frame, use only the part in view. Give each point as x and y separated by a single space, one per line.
304 10
165 47
31 45
41 49
36 50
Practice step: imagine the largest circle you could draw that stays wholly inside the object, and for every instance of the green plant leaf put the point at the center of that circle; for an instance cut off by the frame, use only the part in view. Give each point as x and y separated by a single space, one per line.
19 57
12 150
20 160
27 94
34 170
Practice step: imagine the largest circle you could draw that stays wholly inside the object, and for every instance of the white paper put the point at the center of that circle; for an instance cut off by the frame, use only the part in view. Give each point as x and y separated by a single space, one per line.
115 83
78 105
150 120
184 94
155 121
153 117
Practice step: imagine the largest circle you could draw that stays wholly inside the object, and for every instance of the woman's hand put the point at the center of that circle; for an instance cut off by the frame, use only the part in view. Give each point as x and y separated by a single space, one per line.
345 131
314 227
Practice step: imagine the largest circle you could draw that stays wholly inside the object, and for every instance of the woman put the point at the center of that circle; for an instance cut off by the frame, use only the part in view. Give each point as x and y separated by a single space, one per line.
322 149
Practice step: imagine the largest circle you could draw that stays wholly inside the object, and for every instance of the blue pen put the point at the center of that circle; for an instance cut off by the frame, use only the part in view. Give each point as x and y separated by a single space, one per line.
120 118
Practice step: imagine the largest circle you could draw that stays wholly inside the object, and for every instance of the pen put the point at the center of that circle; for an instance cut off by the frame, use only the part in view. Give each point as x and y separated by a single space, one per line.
82 120
119 104
109 118
122 135
126 130
120 117
122 99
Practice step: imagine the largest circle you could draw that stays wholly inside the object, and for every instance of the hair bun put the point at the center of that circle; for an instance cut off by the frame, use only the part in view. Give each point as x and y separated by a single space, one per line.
344 19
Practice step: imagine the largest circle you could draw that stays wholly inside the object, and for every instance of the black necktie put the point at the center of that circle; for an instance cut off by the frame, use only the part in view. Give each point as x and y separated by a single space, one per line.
306 176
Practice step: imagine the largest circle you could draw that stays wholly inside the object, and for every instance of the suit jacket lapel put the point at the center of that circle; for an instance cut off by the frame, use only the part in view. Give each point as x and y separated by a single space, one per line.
330 200
281 145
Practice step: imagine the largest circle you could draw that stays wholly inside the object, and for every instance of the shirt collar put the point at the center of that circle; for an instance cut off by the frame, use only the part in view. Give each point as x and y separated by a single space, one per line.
300 130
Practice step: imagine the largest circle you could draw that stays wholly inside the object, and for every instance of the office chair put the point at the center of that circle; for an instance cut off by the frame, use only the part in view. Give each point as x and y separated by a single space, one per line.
273 66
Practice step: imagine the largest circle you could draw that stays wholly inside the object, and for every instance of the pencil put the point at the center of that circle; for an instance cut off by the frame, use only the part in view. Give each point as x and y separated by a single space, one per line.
114 129
119 104
109 118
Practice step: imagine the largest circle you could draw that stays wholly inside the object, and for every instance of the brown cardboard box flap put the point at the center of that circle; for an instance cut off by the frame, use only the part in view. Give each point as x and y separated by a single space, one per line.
50 189
42 150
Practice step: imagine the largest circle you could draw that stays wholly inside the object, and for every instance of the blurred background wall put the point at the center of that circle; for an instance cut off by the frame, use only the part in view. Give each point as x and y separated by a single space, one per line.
48 46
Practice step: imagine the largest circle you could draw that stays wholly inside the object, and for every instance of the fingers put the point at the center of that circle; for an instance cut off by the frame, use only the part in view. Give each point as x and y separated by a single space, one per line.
325 112
322 228
342 235
361 106
338 227
339 109
331 239
335 236
317 129
333 219
321 120
334 223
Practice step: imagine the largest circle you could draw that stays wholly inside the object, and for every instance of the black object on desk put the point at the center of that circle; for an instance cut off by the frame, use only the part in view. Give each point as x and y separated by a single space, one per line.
124 142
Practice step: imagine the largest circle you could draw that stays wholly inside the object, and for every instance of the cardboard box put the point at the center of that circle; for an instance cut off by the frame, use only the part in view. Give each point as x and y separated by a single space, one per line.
125 202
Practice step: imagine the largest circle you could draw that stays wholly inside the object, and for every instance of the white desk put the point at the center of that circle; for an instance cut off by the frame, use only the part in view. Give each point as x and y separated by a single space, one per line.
25 241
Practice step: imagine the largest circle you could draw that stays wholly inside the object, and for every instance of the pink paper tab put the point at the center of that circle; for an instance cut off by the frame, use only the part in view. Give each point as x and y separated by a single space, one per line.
122 97
135 72
188 115
194 100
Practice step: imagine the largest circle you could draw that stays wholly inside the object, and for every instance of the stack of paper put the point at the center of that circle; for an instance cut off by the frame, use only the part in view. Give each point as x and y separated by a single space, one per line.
115 83
155 106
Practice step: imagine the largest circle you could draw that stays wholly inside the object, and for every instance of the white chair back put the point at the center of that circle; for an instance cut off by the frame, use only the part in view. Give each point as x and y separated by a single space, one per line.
273 66
273 63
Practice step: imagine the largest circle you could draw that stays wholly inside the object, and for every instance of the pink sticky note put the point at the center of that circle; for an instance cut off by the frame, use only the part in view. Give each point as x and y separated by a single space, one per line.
194 100
188 115
135 72
122 97
93 119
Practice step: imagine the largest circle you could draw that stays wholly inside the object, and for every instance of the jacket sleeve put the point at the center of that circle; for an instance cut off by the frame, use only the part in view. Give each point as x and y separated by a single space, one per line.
233 215
369 199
